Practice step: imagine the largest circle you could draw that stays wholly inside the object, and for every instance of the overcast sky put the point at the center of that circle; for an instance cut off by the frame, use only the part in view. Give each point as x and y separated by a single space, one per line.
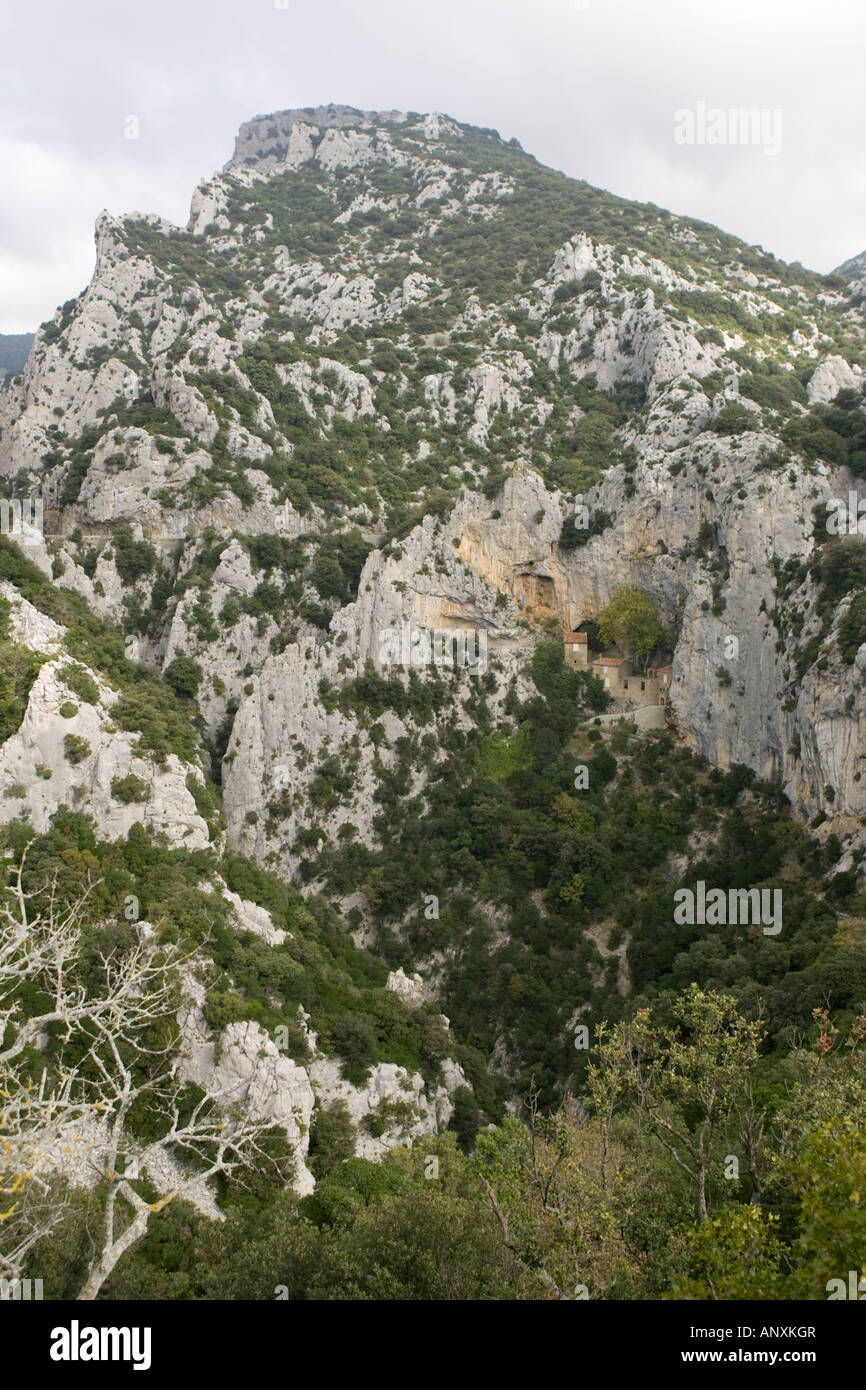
588 86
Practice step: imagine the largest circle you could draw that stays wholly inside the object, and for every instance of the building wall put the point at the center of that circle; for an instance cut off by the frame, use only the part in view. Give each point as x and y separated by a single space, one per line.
620 682
576 656
630 689
645 717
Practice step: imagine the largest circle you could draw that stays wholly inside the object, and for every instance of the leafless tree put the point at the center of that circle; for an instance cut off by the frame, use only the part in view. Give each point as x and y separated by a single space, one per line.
104 1062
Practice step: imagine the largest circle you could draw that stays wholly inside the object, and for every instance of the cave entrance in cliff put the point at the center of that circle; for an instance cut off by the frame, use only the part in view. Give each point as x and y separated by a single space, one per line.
589 628
536 593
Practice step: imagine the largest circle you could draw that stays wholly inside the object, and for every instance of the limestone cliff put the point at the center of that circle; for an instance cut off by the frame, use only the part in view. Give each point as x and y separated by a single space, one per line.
397 404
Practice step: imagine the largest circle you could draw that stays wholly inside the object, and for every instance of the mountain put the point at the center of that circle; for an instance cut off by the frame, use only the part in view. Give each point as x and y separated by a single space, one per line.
855 268
327 479
14 348
281 368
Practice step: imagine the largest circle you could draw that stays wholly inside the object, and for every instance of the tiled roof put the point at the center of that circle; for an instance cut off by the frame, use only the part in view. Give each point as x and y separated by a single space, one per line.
608 661
579 637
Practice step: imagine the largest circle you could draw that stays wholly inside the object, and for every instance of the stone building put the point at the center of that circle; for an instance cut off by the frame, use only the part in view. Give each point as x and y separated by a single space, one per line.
617 673
623 683
577 651
662 676
612 671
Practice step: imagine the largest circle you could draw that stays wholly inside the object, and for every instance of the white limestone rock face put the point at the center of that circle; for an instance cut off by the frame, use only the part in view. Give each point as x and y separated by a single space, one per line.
28 627
275 748
410 988
573 260
241 645
166 1172
832 375
404 1108
248 916
80 1156
61 377
171 389
241 1066
128 494
830 723
648 545
284 729
39 771
598 309
494 386
249 1070
716 606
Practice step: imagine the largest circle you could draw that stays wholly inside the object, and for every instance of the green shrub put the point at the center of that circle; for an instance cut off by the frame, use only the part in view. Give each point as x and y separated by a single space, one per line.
776 390
354 1038
573 536
466 1120
332 1138
149 710
77 749
130 788
184 676
835 433
79 680
132 558
852 629
225 1006
19 668
734 418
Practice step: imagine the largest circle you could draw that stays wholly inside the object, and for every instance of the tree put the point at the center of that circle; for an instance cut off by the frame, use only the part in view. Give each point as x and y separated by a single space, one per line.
735 1255
686 1071
327 576
560 1190
184 676
630 622
822 1153
111 1062
332 1138
132 558
466 1119
735 418
414 1227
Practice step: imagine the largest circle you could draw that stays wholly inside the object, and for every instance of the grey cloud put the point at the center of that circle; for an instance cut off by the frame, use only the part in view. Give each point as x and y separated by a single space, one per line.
590 90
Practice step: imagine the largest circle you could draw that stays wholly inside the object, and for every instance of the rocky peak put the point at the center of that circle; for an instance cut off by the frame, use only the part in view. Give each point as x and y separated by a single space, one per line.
855 267
267 141
253 135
